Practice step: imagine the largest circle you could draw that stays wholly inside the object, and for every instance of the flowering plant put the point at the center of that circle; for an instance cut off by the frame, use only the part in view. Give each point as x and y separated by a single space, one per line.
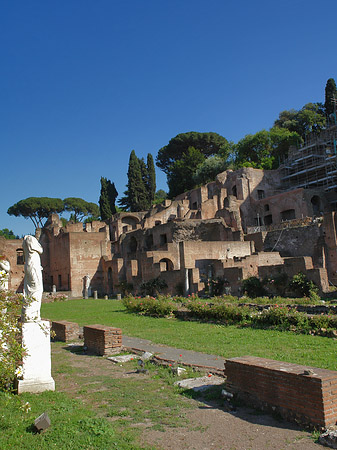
11 350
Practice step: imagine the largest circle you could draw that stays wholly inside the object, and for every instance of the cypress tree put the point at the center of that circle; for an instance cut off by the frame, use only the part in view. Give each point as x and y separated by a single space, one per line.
107 199
135 197
151 178
330 95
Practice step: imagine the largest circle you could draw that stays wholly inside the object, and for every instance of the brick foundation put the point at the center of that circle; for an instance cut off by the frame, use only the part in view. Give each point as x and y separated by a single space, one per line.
102 340
65 331
284 388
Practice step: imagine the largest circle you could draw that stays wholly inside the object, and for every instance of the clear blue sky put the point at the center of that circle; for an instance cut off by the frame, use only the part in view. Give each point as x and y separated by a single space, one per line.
82 83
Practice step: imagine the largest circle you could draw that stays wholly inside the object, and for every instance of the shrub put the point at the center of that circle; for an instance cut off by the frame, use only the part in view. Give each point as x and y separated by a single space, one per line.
153 286
220 311
149 306
301 286
253 287
11 351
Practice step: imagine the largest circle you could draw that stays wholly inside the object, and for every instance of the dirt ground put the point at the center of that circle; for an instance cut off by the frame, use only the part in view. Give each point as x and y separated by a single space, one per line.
213 427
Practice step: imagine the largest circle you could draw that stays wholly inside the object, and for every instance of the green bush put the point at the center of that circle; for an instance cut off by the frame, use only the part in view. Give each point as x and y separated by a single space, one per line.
219 311
301 286
153 287
11 351
253 287
149 306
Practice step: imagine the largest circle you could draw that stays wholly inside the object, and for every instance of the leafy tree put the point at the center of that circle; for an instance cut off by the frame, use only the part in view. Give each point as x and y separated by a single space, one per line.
265 149
80 208
8 234
180 179
135 197
160 196
209 169
151 178
107 199
207 143
310 118
36 209
330 96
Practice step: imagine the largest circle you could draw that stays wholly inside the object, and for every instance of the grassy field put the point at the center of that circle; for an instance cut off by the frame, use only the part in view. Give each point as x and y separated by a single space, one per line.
74 426
226 341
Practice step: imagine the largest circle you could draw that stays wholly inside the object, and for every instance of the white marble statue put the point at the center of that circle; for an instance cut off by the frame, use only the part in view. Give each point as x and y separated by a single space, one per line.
33 286
87 288
5 268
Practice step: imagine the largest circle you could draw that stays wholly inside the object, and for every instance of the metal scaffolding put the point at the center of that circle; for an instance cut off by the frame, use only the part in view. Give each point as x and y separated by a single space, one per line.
314 164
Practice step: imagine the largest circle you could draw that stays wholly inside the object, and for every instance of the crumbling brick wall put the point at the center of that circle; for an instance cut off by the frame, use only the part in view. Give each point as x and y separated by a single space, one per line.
303 394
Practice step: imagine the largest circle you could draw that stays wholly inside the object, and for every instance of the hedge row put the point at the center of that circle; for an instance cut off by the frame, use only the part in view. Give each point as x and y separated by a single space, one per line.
277 317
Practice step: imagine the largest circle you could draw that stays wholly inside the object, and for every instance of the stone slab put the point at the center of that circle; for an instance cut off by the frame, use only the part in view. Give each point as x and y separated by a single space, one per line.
201 383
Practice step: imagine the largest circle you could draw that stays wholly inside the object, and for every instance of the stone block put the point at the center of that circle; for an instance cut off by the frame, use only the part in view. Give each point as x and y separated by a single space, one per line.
65 331
102 340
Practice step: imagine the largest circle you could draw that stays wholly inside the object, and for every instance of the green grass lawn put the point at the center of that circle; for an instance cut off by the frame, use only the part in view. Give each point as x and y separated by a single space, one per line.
73 426
226 341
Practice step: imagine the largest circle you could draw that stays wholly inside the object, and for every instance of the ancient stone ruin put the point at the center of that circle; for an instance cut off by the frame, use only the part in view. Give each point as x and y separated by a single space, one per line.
248 222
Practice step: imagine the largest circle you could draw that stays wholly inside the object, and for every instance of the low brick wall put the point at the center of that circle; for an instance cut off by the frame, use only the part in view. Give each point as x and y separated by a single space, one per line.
282 387
65 331
102 340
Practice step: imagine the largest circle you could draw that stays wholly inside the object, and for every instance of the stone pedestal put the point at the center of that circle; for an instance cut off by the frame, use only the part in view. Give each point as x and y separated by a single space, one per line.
37 364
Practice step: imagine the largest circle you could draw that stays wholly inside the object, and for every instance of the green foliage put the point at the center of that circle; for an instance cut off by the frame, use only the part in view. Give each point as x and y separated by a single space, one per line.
11 351
215 286
180 178
107 199
330 95
80 208
253 287
265 149
207 143
8 234
310 118
160 196
219 311
136 195
149 306
301 286
151 178
125 287
209 169
153 286
36 209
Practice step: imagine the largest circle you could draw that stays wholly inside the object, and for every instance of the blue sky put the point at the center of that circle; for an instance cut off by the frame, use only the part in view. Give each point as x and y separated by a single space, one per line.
82 83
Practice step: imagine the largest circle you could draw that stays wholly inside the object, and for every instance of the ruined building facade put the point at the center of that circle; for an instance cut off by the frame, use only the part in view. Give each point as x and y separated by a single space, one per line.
246 222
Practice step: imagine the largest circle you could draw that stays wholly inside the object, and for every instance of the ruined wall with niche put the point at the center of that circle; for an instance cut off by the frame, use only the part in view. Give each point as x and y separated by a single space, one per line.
13 251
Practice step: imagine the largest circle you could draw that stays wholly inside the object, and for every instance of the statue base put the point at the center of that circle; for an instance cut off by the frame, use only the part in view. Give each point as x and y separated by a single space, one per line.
37 362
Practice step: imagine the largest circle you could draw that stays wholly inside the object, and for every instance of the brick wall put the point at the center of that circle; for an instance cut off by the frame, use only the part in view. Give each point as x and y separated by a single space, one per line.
9 248
65 331
102 340
284 387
